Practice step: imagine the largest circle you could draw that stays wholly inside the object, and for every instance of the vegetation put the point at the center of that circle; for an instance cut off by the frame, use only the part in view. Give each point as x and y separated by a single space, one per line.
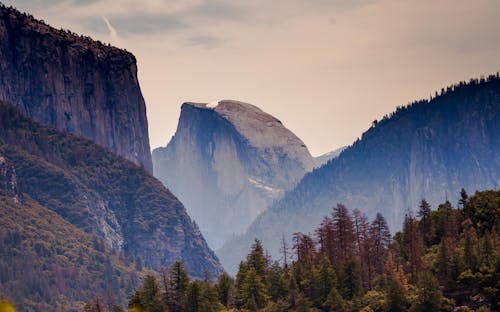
47 264
89 186
443 260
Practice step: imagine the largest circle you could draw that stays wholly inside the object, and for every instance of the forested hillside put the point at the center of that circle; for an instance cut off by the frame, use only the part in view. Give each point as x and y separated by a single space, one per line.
66 186
444 259
428 149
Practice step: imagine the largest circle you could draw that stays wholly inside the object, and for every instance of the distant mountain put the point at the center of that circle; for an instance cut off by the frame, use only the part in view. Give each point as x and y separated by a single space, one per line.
429 149
323 159
102 194
227 162
73 83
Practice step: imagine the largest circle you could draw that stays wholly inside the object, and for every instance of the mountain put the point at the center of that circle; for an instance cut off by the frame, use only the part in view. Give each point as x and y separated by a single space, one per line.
48 264
227 162
73 83
429 149
102 194
323 159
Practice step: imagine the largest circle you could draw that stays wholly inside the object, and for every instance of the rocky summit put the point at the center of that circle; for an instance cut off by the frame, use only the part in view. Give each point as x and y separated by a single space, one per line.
227 162
73 83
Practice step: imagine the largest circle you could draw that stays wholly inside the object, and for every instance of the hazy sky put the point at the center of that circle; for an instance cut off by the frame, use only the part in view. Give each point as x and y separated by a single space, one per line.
326 69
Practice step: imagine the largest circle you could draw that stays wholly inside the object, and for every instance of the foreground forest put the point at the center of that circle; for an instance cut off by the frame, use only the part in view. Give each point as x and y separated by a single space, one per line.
445 259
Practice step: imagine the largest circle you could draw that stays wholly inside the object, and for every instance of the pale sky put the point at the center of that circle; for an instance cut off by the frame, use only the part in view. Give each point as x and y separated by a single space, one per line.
326 69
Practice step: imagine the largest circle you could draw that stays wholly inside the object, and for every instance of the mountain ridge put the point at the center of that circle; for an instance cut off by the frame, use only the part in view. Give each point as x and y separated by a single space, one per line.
429 149
103 194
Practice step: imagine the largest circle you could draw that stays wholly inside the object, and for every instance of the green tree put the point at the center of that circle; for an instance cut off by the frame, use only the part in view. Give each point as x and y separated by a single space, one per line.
178 282
350 278
225 288
334 302
253 292
425 224
396 300
148 298
429 294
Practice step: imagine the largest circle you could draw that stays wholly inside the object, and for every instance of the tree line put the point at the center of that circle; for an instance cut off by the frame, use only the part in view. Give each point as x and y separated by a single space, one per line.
447 259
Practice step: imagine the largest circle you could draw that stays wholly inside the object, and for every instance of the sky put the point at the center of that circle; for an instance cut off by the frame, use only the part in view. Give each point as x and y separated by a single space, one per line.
325 68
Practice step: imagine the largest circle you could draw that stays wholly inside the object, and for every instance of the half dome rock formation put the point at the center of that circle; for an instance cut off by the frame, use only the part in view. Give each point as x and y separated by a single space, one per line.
227 162
73 83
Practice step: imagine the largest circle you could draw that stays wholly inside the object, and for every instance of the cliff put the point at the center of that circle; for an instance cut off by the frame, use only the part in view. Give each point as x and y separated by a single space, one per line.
103 194
430 149
227 162
74 84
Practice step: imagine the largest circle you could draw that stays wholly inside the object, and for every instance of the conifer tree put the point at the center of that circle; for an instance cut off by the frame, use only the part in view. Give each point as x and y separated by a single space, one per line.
350 278
396 300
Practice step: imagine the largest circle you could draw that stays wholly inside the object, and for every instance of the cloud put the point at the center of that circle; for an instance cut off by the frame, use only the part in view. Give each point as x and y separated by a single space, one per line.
113 34
204 41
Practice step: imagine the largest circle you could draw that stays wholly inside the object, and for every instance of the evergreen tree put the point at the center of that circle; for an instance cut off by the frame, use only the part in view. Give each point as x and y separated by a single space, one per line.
148 298
225 288
396 300
425 224
350 278
335 302
253 291
177 288
429 294
380 238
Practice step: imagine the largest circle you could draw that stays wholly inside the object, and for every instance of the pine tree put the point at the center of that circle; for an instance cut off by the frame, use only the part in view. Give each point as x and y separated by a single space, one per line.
193 303
350 278
335 302
429 294
425 224
324 280
148 298
380 238
178 284
225 288
413 245
344 237
396 300
253 291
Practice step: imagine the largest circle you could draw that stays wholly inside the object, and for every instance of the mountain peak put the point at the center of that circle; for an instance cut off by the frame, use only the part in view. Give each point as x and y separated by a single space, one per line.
227 161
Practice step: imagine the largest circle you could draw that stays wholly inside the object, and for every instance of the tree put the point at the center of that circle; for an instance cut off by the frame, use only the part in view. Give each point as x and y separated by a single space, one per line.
334 302
148 298
257 260
253 292
380 238
429 294
363 245
396 300
425 224
413 245
343 228
324 280
225 288
350 278
178 282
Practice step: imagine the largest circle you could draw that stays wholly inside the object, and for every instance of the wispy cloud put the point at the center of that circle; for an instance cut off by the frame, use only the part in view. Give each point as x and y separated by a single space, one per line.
113 34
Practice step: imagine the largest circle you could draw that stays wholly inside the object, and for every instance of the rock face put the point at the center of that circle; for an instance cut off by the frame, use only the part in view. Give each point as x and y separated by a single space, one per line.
323 159
101 193
430 149
74 84
227 162
8 179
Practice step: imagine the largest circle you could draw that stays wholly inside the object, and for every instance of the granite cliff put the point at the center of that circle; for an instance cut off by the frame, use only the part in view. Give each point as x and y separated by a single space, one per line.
73 83
227 162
